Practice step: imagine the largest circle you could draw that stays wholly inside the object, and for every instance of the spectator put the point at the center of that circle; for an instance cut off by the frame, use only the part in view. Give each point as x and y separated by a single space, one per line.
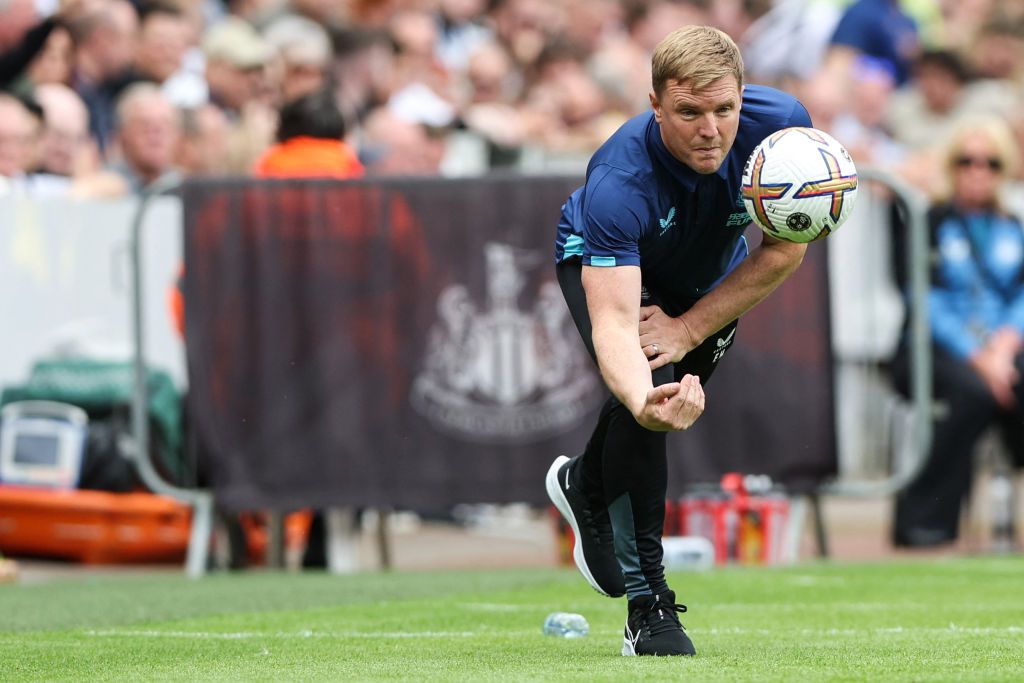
931 106
18 134
55 62
148 131
323 12
27 42
204 141
998 51
566 111
364 63
67 153
621 66
310 142
491 91
104 39
460 31
237 61
17 17
394 146
524 27
877 28
305 51
163 41
976 306
768 42
423 91
862 127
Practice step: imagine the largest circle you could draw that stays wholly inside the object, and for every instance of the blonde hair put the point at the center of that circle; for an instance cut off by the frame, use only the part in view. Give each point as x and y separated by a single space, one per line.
1004 147
697 54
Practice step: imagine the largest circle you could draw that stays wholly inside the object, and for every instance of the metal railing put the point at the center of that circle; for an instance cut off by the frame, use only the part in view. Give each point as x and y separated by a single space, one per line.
200 500
919 330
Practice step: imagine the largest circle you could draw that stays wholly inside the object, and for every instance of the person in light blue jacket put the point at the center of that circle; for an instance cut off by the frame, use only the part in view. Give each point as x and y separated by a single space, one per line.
976 304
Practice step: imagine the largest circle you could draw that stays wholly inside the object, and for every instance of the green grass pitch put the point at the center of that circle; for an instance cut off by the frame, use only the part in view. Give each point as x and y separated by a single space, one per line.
931 620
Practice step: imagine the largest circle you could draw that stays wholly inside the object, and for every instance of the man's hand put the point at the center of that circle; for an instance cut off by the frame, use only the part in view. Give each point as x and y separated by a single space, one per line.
672 407
663 339
996 368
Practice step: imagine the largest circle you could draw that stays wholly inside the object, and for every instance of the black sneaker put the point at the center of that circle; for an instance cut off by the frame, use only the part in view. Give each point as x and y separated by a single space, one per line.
652 627
594 550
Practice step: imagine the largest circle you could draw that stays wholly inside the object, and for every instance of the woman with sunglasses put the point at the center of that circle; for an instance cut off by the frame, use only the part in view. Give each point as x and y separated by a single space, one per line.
976 304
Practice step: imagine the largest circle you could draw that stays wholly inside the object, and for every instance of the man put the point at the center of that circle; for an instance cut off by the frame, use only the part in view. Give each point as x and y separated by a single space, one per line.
203 149
653 265
305 50
19 132
104 38
66 152
239 77
163 40
310 142
148 131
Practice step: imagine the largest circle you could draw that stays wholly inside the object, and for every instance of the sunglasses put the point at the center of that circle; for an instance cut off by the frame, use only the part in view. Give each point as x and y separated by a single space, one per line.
991 163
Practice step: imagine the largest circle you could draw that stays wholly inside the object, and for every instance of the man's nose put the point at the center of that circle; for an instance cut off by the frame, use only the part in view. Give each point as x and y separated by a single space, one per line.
708 126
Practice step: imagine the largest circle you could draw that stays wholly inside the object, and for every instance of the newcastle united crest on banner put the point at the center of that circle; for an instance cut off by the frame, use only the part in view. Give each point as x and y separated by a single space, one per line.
508 371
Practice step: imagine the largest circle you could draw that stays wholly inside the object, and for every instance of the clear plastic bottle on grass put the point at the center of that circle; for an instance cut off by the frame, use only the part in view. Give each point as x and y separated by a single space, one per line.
566 625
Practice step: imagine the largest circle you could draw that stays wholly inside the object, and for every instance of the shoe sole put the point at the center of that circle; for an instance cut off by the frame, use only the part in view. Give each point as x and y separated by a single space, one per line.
562 503
628 649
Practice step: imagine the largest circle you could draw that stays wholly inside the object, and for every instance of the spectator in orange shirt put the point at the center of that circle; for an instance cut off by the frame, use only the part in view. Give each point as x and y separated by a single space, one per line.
309 142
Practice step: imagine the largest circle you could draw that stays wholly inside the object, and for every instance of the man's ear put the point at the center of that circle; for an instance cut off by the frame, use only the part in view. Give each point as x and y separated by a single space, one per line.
655 105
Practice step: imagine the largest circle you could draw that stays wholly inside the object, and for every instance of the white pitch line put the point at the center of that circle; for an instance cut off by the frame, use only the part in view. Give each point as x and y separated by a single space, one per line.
741 631
248 635
952 628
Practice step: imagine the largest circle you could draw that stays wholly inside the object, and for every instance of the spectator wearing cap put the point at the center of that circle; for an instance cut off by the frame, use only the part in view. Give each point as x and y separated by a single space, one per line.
237 61
104 39
304 49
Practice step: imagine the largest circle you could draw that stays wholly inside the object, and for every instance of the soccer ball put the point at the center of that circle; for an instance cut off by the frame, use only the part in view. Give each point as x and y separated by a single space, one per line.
799 184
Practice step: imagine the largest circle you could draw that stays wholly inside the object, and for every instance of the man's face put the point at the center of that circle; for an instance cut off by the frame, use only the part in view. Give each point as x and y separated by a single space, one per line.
699 126
149 135
17 139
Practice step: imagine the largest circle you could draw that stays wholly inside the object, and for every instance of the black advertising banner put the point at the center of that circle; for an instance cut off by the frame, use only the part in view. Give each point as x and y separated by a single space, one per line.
405 343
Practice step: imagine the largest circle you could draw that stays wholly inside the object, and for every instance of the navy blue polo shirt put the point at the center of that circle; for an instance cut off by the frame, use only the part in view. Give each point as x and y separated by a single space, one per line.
640 206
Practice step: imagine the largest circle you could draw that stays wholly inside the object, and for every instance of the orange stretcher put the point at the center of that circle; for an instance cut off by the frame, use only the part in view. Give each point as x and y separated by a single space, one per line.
94 527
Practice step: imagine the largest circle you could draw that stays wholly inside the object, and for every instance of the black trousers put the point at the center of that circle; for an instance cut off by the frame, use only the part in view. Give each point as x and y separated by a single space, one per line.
928 510
624 466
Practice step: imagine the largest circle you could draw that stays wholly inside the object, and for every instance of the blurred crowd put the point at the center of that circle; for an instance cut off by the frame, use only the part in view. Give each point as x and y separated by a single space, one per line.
101 98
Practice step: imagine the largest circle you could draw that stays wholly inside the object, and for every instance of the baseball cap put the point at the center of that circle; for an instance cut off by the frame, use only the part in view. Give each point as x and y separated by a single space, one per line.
235 41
